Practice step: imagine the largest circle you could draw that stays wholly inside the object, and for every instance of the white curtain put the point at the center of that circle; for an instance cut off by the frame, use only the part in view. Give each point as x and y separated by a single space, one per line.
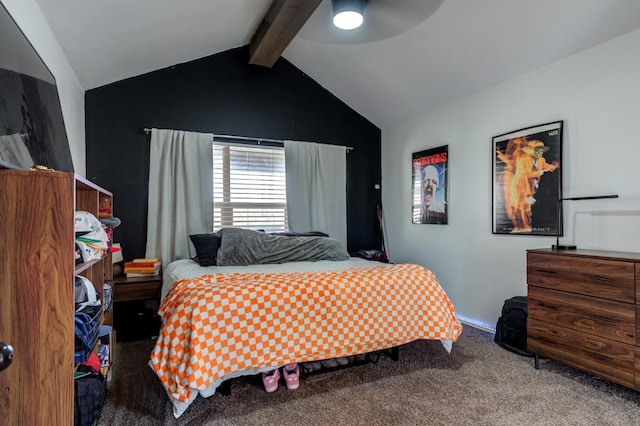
317 188
180 192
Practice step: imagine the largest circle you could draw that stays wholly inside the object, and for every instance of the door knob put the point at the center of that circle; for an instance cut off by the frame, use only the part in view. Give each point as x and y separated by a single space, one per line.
6 355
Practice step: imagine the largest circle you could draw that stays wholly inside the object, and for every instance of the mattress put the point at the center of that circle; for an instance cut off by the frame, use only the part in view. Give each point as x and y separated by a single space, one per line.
187 268
224 322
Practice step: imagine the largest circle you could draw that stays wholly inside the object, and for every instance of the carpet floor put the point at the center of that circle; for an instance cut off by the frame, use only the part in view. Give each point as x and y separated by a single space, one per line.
478 383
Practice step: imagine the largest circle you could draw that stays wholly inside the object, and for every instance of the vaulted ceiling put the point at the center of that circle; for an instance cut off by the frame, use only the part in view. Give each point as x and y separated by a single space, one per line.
419 61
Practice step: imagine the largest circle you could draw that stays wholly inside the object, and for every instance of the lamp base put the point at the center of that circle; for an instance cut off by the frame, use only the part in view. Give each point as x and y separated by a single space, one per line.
564 247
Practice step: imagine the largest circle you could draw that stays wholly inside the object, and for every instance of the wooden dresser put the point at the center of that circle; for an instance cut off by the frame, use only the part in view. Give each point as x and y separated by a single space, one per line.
583 311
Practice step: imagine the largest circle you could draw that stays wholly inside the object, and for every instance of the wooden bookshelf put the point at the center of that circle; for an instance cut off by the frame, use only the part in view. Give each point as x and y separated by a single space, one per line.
37 308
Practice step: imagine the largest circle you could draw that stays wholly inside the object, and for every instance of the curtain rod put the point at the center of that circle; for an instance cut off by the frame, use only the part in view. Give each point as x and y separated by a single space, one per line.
246 138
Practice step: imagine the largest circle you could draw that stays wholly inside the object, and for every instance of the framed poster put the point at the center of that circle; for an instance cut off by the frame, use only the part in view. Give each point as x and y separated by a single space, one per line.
527 180
430 186
32 129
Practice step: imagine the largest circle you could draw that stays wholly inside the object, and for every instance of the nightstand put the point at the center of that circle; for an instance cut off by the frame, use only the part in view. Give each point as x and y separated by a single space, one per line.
136 301
137 288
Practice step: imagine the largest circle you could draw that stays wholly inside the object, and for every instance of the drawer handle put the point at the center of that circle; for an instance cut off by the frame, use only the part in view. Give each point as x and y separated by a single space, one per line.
545 271
544 305
600 357
545 340
598 278
599 318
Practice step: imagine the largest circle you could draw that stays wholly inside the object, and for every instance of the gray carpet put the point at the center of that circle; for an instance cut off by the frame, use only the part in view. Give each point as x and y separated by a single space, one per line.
479 383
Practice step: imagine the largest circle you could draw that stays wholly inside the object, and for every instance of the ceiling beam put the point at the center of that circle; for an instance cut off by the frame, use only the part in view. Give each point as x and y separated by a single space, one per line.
279 26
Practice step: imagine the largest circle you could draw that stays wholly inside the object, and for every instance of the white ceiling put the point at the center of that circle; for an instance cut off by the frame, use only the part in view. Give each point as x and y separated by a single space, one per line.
464 47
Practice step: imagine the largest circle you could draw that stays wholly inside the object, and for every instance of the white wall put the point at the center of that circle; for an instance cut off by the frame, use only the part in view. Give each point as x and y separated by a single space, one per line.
597 94
31 20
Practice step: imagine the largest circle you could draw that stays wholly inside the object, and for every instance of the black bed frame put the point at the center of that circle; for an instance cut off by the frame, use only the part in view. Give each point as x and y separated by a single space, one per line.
393 354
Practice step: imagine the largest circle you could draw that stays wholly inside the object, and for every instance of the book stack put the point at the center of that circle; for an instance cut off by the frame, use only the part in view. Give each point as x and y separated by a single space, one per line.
142 268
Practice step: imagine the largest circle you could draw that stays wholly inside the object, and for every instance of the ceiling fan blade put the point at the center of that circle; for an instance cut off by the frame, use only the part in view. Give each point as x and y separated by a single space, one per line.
382 19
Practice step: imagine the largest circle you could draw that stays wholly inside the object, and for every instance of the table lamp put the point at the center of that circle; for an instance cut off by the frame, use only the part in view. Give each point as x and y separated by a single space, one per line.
557 245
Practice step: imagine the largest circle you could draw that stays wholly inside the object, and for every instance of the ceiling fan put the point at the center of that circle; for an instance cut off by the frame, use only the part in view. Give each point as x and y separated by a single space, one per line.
313 20
382 19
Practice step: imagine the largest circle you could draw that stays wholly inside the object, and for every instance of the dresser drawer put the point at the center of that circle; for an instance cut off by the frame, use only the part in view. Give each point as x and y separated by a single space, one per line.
137 288
638 328
608 279
637 387
605 318
603 357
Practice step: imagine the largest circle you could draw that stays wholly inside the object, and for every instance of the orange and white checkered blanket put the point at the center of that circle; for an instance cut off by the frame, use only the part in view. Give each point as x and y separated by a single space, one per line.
217 325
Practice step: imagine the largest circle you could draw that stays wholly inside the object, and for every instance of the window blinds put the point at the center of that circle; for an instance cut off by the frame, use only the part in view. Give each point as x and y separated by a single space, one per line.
249 187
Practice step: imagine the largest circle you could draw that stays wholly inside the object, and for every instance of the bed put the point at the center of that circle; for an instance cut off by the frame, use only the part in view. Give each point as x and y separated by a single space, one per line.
235 318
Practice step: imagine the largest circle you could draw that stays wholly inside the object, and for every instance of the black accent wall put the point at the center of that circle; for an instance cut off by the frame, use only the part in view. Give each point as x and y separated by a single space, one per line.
224 94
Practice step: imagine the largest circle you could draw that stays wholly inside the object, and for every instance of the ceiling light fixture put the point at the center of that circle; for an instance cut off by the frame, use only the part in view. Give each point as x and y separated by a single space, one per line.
348 14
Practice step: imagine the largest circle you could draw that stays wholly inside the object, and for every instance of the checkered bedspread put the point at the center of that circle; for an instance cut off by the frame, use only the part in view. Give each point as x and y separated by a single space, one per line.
217 325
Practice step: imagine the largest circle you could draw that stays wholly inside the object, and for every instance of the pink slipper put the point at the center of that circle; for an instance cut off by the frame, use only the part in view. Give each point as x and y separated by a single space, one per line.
270 380
291 373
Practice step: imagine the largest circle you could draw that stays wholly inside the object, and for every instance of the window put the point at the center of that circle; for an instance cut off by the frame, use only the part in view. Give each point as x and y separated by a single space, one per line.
249 187
417 198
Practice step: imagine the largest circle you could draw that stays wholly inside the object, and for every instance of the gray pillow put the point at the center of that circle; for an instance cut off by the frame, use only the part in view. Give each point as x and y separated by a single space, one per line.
300 234
241 247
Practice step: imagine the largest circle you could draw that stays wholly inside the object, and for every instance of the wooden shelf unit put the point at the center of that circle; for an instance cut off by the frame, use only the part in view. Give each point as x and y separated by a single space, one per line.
37 268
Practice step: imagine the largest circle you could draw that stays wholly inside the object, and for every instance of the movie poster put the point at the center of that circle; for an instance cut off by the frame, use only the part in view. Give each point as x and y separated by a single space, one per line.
32 127
430 186
527 181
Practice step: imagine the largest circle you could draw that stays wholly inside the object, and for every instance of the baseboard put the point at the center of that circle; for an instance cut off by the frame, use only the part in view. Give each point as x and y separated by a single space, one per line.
477 324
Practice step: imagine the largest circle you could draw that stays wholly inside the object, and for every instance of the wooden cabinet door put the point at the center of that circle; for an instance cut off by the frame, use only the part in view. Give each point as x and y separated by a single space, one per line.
36 297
